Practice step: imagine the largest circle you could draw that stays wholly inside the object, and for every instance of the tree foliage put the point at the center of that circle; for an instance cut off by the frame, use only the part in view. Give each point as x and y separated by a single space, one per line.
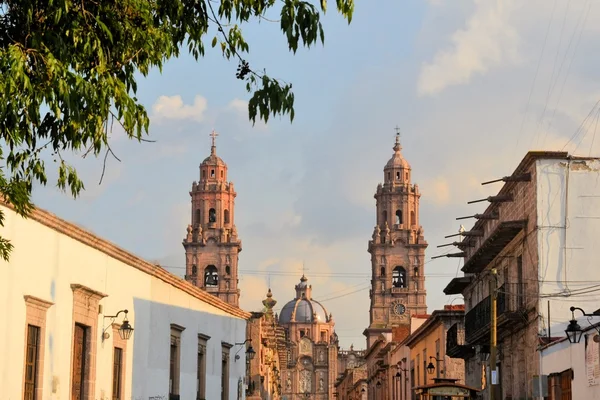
68 71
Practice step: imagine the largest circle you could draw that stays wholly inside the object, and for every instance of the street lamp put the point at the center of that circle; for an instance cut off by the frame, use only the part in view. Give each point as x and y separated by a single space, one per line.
574 331
250 353
125 330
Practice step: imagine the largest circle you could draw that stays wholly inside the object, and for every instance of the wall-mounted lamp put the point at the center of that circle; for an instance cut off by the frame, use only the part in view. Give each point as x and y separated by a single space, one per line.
250 353
431 367
125 330
574 331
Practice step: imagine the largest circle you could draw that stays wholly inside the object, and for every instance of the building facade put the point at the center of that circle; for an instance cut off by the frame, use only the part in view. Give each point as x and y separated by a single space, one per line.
212 244
428 348
532 249
572 370
397 251
69 303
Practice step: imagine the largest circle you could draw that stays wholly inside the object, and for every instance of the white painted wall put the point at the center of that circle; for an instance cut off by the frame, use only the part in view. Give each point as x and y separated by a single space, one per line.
564 355
568 203
45 263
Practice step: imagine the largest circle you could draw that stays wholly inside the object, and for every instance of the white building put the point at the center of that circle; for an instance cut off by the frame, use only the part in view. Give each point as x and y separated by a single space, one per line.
572 368
57 341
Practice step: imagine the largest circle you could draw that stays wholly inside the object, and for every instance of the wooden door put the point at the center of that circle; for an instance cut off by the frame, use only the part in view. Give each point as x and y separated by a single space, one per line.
79 351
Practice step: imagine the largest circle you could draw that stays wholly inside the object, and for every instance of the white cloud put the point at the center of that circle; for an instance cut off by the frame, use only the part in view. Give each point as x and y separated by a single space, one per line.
488 40
172 107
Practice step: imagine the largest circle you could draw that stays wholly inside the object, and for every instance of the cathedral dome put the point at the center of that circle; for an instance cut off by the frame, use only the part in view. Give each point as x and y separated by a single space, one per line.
303 309
397 161
213 160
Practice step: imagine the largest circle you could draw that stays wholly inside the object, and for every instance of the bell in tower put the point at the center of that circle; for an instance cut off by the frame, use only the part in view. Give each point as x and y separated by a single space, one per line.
397 250
212 244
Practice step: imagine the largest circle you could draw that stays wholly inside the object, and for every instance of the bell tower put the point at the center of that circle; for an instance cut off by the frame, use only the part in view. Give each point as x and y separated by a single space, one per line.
212 244
397 251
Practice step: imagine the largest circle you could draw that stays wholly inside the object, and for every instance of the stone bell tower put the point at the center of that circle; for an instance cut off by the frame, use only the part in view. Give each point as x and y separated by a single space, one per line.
212 244
397 251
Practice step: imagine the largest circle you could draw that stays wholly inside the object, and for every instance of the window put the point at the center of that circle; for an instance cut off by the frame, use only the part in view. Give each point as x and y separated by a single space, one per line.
437 356
520 293
417 365
117 369
35 320
227 270
225 372
406 176
398 175
425 366
398 217
412 218
382 271
226 216
301 332
221 174
32 357
323 336
174 361
194 270
212 173
201 368
399 277
212 215
211 276
198 217
384 216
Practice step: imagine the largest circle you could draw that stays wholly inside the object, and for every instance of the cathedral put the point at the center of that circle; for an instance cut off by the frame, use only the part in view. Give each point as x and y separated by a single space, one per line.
297 349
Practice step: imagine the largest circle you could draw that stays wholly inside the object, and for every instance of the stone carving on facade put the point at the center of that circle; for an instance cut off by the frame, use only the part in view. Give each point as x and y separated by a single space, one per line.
321 356
305 381
288 383
386 231
321 383
305 346
376 234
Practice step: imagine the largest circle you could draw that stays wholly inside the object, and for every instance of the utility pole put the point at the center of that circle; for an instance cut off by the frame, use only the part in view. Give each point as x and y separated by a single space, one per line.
493 301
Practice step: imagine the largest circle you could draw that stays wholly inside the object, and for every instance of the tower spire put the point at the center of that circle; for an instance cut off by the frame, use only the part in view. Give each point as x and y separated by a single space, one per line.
213 147
397 146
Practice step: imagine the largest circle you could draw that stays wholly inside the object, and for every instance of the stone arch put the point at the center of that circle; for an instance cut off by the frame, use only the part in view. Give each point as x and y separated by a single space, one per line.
399 277
211 276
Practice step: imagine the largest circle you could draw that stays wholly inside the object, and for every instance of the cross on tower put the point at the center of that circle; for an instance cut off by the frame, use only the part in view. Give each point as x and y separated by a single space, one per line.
397 128
304 269
214 135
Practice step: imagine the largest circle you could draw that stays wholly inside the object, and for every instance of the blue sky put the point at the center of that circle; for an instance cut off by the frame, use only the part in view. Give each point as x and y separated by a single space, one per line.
460 78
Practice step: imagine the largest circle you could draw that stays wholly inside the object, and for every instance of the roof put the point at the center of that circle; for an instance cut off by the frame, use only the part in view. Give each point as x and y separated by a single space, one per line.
89 239
436 316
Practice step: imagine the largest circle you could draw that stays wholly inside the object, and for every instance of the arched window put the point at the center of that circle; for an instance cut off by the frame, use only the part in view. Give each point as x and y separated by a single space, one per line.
412 218
382 271
212 215
398 217
197 218
384 216
212 173
221 174
194 270
226 216
228 270
211 276
399 277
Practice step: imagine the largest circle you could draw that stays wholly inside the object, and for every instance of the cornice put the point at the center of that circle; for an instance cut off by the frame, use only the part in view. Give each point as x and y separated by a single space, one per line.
87 238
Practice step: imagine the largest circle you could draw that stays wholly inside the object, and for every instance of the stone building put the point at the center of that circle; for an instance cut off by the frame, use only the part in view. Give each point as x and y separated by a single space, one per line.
532 248
212 244
397 251
298 348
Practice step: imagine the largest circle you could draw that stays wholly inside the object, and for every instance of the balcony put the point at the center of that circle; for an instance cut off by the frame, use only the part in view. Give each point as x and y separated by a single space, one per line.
511 313
456 347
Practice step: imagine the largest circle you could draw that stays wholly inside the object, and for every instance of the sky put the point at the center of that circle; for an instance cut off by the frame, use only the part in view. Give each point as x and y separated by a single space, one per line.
472 84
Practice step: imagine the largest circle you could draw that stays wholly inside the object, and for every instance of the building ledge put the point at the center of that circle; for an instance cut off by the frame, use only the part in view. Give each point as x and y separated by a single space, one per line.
457 285
504 233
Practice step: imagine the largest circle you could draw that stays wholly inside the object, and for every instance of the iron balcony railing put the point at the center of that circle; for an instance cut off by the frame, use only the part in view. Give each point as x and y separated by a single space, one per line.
511 304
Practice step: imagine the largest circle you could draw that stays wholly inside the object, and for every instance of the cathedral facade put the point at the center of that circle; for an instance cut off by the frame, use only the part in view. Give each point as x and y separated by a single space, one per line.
397 251
298 349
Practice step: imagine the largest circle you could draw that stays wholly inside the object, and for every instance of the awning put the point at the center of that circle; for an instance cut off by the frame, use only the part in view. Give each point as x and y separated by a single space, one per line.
457 285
